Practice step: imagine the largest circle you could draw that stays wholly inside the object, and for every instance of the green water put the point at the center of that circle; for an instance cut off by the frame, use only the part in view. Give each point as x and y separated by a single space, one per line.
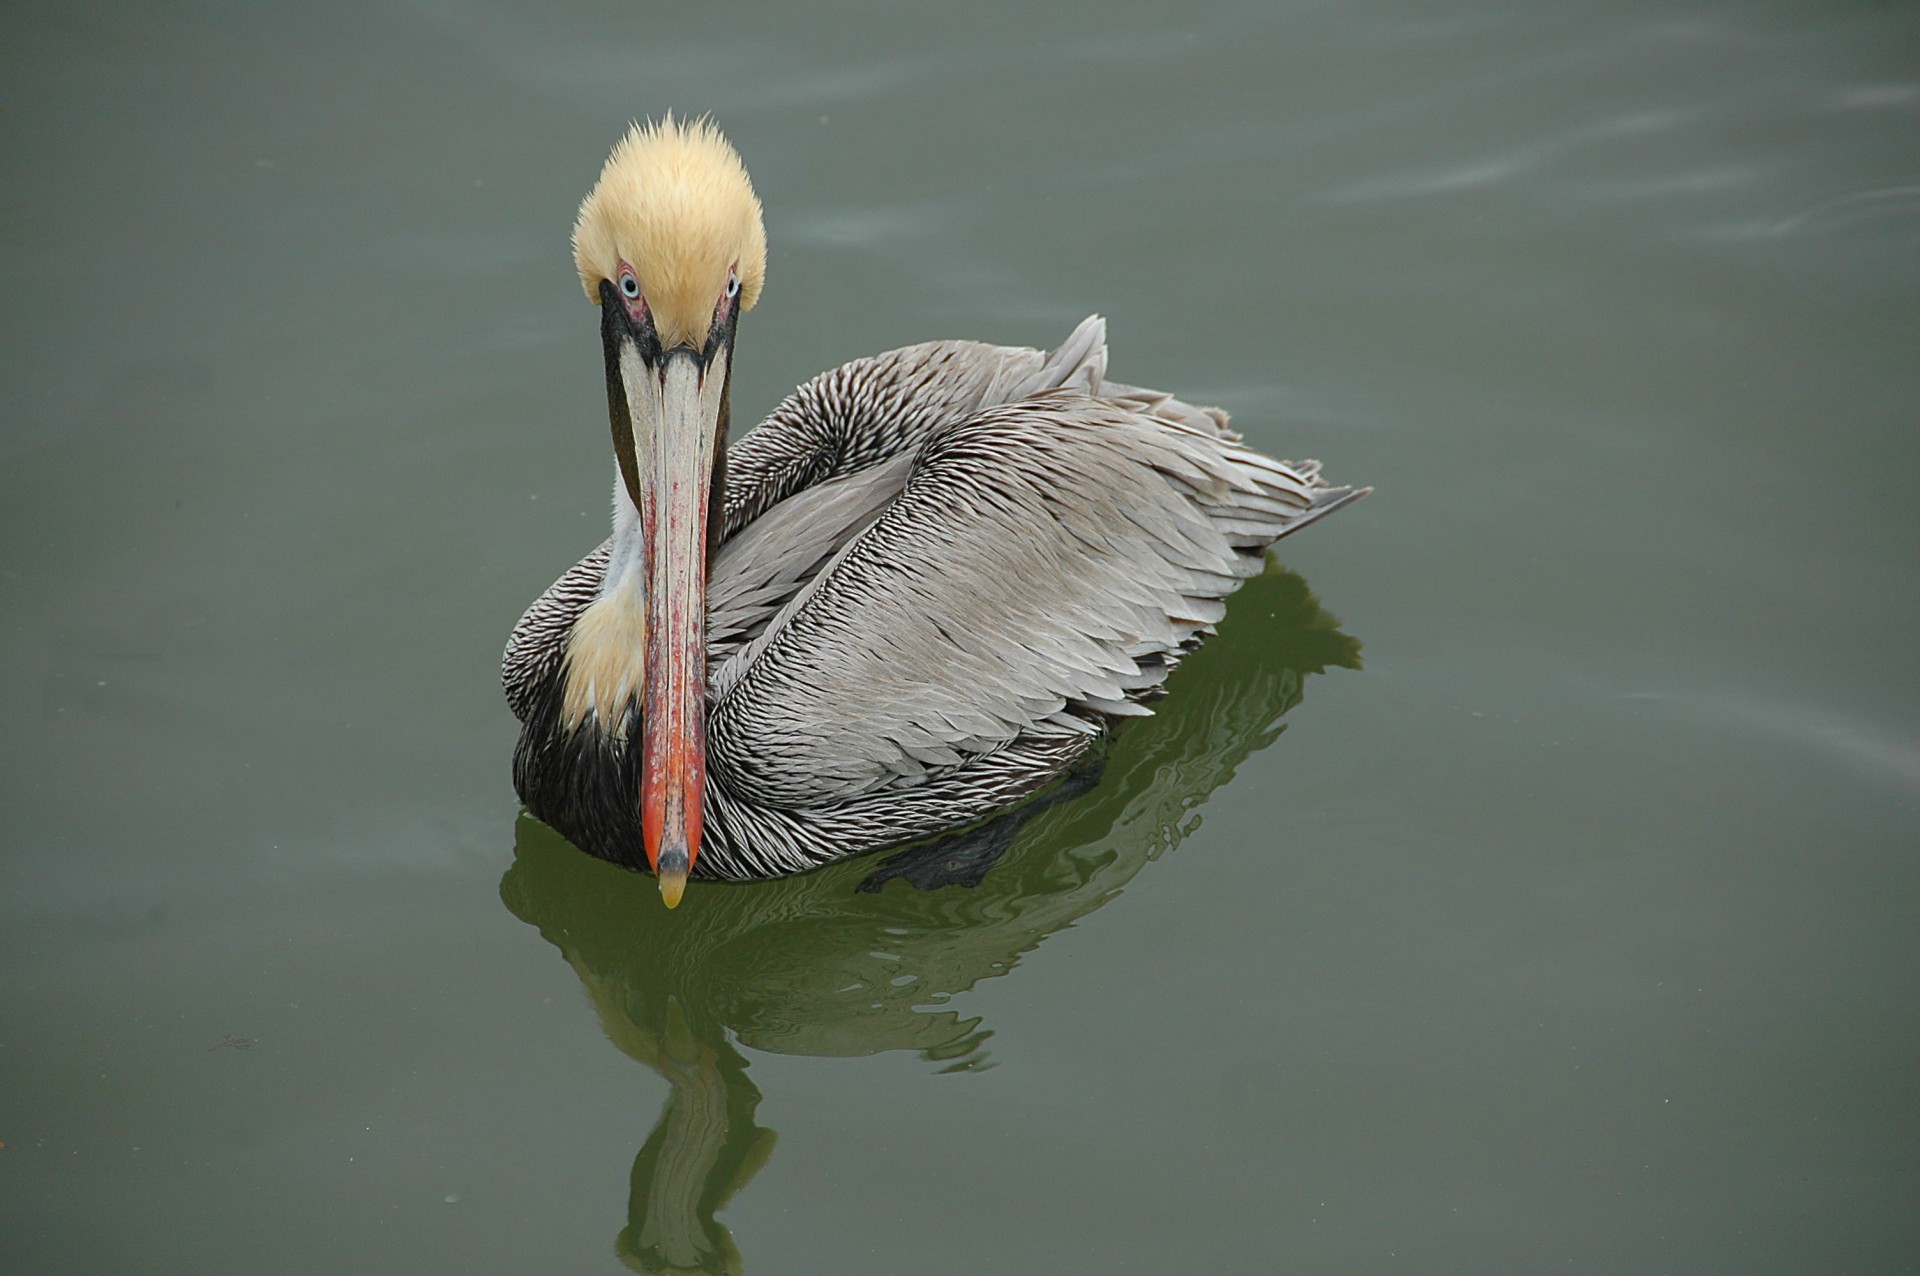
1576 931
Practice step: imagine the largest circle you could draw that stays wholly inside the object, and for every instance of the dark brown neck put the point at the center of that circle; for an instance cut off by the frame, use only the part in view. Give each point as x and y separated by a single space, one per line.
717 488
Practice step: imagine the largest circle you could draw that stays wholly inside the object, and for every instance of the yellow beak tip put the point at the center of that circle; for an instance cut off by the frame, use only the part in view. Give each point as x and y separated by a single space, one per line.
672 887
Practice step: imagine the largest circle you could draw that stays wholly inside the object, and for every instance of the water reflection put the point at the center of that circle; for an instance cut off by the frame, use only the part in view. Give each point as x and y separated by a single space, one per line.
846 961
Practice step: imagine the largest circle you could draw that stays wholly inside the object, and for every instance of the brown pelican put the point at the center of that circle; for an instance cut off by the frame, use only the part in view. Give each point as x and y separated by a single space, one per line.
918 592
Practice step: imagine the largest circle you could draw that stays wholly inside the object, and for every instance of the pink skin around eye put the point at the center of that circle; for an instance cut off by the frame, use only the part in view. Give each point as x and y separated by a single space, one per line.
637 305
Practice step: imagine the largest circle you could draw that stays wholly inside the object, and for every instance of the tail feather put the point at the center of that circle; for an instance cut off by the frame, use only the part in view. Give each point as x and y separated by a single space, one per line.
1325 502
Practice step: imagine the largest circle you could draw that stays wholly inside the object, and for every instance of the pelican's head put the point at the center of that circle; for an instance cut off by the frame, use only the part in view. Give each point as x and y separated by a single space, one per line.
669 243
673 226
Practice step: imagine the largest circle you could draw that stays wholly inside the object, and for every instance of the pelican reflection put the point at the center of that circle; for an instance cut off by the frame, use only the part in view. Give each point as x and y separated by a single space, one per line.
846 961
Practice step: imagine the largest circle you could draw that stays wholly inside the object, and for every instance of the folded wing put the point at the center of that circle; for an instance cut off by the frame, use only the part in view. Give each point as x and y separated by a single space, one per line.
1041 568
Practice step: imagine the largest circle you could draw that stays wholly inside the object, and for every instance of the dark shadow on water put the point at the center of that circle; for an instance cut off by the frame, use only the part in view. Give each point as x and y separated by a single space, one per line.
815 965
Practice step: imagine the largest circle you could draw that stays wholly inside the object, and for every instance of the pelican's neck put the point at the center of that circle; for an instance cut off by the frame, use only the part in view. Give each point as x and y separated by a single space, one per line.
607 649
626 562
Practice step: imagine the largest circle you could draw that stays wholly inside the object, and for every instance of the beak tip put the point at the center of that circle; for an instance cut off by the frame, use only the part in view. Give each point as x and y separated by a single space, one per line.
672 872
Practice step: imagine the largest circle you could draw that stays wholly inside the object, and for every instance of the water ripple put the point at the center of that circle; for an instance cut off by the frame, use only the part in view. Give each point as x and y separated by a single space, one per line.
1861 746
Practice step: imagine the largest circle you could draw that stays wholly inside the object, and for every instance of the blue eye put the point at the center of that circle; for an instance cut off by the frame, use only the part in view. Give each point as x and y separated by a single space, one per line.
733 283
629 286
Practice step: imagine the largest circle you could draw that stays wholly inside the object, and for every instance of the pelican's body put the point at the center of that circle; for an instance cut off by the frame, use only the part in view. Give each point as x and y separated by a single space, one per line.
931 578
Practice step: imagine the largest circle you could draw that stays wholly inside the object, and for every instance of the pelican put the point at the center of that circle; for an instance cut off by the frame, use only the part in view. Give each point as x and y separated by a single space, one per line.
919 591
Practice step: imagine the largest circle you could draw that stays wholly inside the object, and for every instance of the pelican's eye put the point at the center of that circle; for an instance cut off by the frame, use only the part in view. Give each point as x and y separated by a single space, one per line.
629 286
733 282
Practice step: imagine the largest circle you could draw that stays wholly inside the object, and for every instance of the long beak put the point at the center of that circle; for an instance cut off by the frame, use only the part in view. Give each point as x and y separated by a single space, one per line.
673 408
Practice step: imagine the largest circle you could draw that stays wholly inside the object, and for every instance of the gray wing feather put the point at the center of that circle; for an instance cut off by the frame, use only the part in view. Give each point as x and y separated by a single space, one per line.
756 572
1041 561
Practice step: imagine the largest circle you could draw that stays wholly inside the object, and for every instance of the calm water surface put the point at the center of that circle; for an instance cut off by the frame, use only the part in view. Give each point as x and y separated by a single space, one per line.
1575 932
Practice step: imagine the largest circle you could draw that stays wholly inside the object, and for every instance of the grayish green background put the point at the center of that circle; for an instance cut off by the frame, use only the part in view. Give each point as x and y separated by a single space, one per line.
1575 933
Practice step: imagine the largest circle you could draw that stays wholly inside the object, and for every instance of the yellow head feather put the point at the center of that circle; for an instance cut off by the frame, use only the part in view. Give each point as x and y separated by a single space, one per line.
675 203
